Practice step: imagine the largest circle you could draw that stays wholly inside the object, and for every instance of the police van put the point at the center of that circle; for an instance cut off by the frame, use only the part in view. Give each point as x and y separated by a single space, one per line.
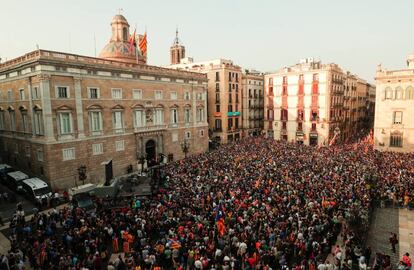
15 180
37 190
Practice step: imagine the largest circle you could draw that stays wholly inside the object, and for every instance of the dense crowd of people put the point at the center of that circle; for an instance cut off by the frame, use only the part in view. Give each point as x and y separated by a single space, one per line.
254 204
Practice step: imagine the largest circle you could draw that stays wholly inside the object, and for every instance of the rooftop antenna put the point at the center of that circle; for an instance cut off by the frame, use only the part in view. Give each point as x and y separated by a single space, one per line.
120 10
37 46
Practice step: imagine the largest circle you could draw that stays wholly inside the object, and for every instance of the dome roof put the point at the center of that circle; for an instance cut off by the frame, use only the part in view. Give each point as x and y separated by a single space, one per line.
120 51
119 19
119 47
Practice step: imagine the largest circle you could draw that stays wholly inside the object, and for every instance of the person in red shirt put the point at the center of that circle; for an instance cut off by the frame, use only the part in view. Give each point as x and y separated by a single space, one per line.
406 260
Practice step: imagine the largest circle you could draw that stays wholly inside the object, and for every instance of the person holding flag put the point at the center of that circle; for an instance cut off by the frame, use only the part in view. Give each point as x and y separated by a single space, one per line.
221 227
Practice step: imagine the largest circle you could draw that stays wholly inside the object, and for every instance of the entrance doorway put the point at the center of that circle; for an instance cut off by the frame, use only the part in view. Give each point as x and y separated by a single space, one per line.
313 140
151 152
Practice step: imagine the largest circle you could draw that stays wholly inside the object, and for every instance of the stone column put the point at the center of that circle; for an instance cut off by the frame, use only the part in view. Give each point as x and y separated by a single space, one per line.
46 107
79 107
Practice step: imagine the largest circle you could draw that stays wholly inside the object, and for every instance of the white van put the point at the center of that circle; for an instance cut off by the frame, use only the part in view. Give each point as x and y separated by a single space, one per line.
15 180
37 189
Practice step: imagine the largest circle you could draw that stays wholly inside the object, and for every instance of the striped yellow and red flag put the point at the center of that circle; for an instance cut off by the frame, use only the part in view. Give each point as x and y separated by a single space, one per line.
143 45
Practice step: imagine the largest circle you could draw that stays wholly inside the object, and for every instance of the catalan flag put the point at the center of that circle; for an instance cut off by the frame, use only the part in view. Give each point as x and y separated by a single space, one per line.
143 45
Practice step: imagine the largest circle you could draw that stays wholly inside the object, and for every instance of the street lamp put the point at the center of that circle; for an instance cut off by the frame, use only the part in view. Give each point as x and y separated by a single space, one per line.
82 173
185 146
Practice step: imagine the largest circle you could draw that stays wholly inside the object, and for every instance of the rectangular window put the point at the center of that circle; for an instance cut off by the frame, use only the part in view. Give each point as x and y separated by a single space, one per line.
10 95
27 151
217 76
139 118
93 93
158 94
187 95
35 93
39 154
95 118
230 108
217 87
230 101
21 93
217 108
173 95
62 92
187 115
174 116
12 115
97 149
117 93
68 154
137 94
218 124
117 121
38 122
159 117
315 77
229 123
200 114
16 148
396 140
65 123
120 145
236 122
397 118
24 122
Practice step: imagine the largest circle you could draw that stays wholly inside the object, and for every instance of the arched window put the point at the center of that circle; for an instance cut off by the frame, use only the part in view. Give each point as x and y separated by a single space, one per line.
409 92
398 93
388 93
125 33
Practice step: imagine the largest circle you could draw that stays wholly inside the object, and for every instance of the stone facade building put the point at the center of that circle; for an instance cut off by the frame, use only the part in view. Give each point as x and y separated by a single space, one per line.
310 102
394 109
61 111
252 105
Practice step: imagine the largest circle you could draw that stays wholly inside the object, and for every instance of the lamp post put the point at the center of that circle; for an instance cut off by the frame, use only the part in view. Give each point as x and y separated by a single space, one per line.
185 146
82 173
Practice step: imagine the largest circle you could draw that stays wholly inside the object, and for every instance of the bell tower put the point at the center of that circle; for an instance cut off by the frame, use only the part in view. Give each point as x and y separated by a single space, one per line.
177 51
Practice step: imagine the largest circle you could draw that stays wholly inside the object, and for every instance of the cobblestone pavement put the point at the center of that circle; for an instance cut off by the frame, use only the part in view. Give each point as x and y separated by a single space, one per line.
385 221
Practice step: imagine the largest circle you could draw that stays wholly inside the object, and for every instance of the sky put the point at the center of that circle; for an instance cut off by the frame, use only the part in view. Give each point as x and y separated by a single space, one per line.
265 35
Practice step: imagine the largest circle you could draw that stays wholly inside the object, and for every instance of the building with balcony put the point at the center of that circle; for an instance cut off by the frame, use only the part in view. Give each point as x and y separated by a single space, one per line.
224 96
61 111
310 102
253 102
394 109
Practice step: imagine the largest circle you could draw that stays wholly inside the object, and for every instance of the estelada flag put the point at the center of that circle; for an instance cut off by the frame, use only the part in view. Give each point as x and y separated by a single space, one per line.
143 45
221 227
132 42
